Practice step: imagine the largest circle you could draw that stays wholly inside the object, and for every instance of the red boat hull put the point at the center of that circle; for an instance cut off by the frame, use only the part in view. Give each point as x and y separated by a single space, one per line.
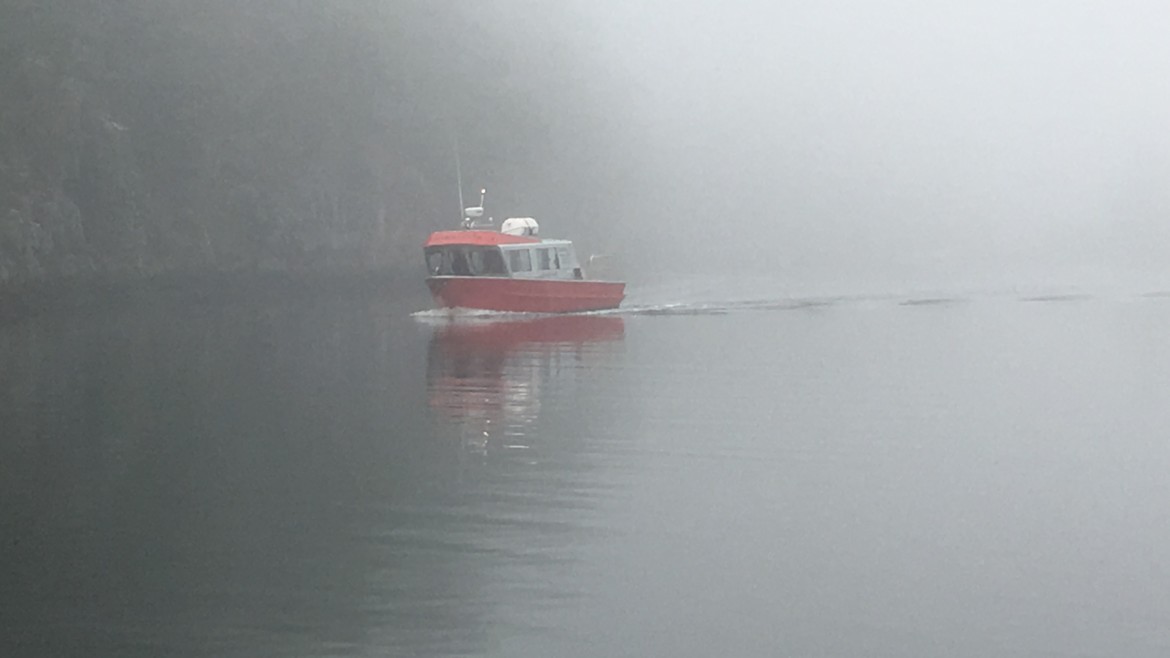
526 295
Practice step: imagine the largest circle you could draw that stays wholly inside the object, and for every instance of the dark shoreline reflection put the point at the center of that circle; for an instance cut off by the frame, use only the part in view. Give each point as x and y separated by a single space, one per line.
255 481
205 481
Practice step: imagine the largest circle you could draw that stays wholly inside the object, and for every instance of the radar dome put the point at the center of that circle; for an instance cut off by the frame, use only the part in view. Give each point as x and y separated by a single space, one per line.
519 226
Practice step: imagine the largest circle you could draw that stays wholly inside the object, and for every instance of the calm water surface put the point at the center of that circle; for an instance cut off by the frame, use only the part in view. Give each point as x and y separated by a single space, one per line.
985 477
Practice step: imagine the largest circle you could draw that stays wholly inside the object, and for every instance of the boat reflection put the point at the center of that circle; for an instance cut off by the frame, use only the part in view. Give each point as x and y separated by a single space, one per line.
489 379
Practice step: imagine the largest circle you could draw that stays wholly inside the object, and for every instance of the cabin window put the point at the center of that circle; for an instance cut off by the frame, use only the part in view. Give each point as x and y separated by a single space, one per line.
459 264
544 259
465 261
434 261
520 260
563 260
487 262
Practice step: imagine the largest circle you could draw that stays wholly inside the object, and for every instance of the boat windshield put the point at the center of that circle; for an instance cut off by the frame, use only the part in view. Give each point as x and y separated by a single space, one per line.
462 260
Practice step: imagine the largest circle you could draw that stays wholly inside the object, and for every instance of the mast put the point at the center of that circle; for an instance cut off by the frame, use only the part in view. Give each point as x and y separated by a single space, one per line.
458 173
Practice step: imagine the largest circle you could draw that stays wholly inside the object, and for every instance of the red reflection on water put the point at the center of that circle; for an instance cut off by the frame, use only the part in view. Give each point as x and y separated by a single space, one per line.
487 378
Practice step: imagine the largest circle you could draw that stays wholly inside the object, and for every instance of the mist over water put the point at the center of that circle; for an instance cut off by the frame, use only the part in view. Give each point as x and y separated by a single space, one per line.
906 144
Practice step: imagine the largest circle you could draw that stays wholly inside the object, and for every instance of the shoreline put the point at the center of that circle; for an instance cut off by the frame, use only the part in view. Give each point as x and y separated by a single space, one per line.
77 295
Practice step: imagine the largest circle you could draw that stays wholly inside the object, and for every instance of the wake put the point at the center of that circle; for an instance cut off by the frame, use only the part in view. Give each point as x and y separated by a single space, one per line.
642 304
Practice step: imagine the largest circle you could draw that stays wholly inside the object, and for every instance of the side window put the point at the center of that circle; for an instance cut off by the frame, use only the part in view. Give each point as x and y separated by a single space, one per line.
544 258
563 257
519 260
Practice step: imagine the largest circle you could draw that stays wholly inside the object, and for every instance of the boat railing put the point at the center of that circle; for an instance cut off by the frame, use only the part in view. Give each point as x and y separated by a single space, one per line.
477 223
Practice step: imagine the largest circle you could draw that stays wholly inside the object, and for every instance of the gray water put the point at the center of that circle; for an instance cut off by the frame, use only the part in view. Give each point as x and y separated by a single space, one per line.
850 477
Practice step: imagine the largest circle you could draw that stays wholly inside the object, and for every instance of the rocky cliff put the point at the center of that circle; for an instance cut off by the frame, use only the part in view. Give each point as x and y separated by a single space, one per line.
142 137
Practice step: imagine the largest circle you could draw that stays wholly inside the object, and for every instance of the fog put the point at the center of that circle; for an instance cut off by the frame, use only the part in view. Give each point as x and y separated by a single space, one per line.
838 144
261 437
860 144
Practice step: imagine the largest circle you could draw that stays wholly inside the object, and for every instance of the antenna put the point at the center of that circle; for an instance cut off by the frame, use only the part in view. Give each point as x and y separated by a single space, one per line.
459 173
467 216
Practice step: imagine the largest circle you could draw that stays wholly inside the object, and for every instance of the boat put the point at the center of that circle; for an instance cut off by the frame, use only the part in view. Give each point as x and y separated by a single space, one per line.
511 269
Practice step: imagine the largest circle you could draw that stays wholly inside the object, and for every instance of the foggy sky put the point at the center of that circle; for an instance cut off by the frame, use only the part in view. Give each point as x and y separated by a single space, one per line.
929 143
